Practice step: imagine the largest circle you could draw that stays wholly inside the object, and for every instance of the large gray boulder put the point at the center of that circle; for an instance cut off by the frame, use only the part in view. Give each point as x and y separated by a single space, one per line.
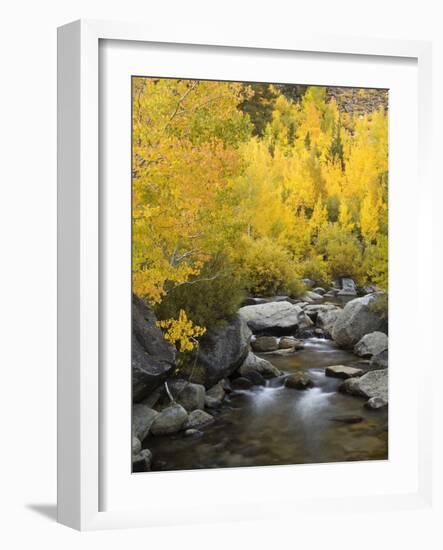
142 420
326 320
275 317
253 363
355 320
348 287
371 344
379 361
372 384
188 395
170 420
223 350
313 310
265 343
153 359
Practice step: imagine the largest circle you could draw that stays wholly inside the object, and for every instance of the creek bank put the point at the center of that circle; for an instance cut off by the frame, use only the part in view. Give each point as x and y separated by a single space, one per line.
227 360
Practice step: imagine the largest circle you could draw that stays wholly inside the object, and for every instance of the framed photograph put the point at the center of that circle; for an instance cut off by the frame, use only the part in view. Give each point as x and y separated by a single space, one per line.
235 222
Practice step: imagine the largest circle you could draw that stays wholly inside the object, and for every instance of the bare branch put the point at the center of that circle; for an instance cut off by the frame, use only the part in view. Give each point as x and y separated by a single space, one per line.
195 281
180 102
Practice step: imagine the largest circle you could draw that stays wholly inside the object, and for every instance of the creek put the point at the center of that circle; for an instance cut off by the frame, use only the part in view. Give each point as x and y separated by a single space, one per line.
273 425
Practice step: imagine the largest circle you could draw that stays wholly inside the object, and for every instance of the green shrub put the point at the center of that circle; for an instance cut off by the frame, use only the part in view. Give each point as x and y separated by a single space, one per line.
380 305
316 268
268 269
376 262
208 299
342 253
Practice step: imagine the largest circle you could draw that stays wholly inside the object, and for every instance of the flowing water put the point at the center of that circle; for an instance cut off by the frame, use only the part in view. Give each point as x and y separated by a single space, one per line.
277 425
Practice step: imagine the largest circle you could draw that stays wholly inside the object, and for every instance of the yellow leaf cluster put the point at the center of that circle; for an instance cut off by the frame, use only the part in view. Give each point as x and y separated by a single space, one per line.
181 332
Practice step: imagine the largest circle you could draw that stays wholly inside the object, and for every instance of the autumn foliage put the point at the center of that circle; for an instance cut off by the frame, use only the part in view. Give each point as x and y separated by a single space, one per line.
251 187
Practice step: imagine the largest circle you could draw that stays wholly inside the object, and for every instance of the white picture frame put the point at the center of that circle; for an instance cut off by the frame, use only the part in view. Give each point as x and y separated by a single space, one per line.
81 413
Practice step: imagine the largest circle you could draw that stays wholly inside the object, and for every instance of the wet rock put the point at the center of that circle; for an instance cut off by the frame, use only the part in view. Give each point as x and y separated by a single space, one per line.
275 317
215 395
299 381
170 420
376 403
309 295
222 350
348 287
312 310
188 395
372 384
142 420
241 383
319 290
371 344
153 359
256 378
350 386
379 361
347 419
141 462
342 371
289 342
265 343
355 320
253 363
198 419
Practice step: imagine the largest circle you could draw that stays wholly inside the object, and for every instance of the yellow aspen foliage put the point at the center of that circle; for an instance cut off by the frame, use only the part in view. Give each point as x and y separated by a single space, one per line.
369 217
181 332
345 217
318 219
252 187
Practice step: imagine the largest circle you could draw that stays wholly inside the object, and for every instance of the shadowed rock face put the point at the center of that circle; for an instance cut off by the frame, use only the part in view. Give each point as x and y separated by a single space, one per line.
356 320
223 350
153 359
